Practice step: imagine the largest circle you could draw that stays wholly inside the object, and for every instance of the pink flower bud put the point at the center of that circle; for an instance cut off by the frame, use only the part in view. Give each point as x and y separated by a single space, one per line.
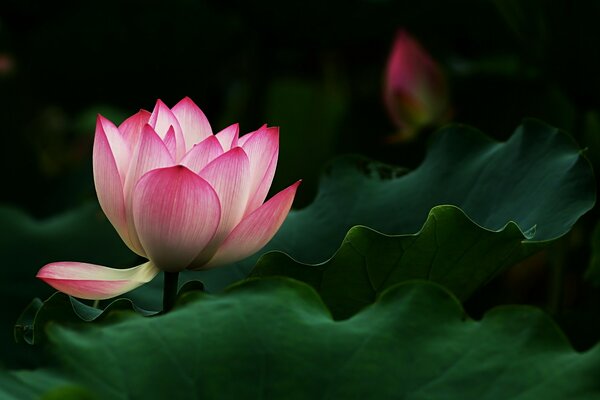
415 91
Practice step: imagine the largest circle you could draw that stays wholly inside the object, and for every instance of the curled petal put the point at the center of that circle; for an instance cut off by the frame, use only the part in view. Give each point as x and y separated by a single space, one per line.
255 230
228 137
262 149
202 153
176 214
131 128
95 282
194 124
161 120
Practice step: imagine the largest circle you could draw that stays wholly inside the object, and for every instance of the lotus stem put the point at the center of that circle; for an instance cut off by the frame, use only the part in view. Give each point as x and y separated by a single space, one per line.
169 290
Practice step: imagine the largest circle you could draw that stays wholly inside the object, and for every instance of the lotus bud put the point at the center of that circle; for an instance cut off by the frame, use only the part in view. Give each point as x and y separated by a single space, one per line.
415 90
179 196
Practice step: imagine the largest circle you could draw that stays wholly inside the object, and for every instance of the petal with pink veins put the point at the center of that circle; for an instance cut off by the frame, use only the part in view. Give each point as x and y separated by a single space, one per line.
228 137
131 128
228 175
161 120
95 282
262 150
248 135
150 154
255 230
194 124
171 142
202 153
176 214
109 185
118 145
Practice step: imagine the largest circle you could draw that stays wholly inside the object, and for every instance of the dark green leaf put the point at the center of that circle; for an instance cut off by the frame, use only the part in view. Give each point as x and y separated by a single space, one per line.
538 179
274 338
450 250
66 310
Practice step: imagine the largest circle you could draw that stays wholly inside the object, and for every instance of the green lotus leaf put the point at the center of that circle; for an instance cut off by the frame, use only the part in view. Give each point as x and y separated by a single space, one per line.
538 180
66 310
449 249
274 338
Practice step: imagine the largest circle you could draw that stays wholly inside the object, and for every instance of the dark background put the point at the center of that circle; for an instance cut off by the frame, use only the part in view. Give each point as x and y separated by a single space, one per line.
315 69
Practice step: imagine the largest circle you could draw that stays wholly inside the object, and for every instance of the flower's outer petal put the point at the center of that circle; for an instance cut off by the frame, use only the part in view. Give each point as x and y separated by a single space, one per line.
194 124
262 150
176 214
95 282
118 145
161 120
228 175
109 185
228 137
202 153
150 154
255 230
131 128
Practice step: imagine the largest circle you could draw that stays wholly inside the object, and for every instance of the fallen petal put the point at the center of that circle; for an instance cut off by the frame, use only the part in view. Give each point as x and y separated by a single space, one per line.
95 282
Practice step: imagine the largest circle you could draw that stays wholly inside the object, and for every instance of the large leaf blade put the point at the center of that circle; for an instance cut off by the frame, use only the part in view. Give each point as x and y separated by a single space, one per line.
274 338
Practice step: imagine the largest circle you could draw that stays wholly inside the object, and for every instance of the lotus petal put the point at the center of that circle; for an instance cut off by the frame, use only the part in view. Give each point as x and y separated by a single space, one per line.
228 176
150 154
171 142
161 120
255 230
202 154
194 124
109 184
95 282
131 128
228 137
118 145
262 149
176 214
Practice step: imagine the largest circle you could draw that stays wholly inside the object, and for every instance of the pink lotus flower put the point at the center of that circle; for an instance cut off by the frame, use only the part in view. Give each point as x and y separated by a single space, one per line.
415 91
179 196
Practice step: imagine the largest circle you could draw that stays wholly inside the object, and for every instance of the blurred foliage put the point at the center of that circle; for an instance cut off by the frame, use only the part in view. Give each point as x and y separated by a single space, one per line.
259 62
